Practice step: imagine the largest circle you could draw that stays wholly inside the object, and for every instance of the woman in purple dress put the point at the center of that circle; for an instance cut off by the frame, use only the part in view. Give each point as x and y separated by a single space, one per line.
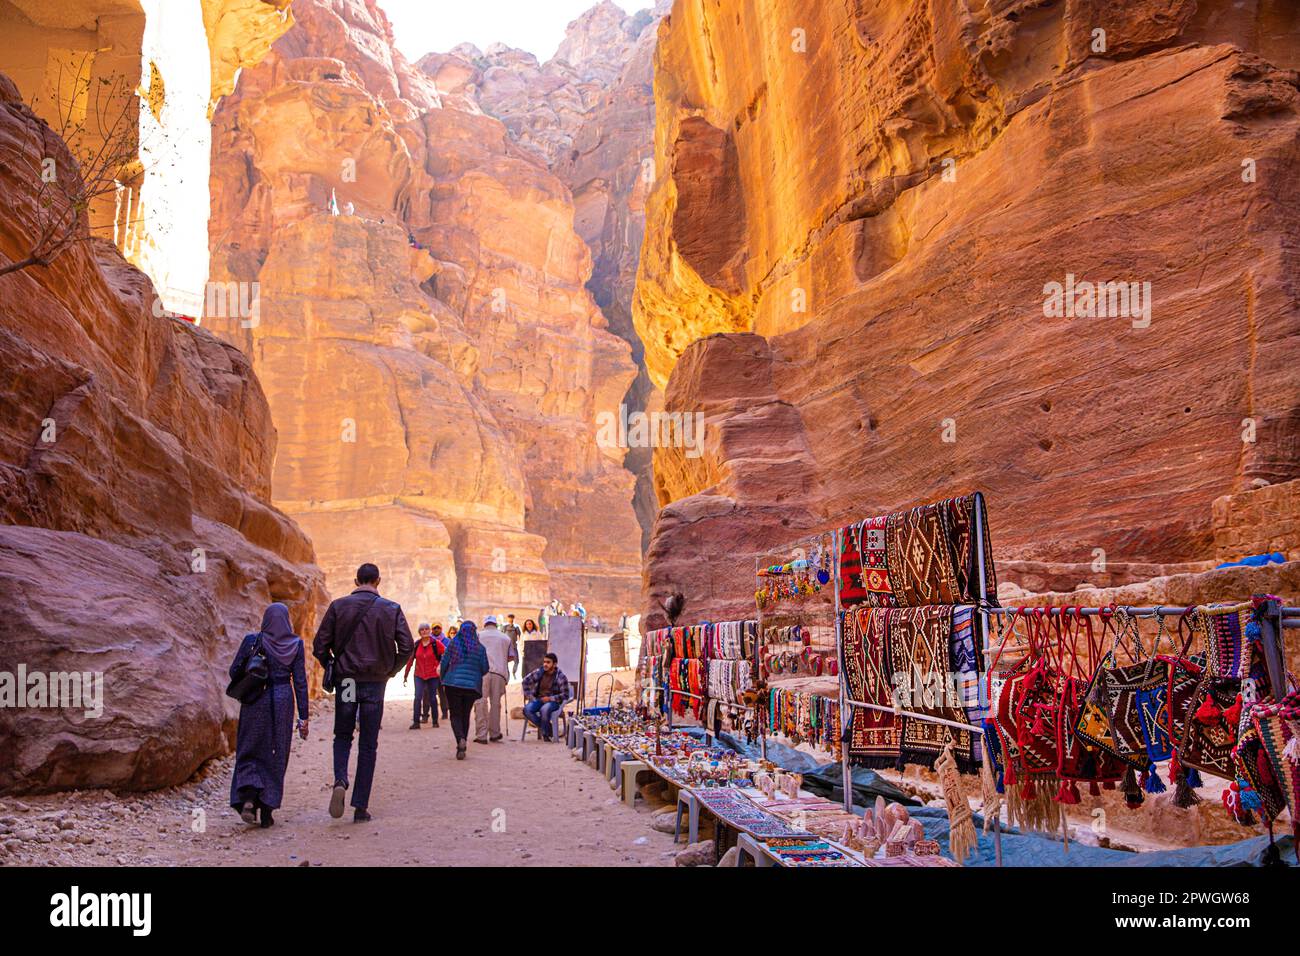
266 725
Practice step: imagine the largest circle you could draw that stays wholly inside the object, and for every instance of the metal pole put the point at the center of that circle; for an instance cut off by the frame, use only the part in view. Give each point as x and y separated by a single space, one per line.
846 771
983 604
915 716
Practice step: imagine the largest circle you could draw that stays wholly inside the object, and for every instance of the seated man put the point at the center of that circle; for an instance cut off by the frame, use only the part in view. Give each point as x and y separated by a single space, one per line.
545 691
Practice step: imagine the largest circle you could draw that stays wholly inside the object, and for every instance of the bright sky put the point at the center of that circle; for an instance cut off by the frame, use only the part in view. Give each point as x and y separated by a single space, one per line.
435 26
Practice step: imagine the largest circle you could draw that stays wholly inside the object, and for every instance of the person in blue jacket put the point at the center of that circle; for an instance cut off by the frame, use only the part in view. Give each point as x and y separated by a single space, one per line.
464 663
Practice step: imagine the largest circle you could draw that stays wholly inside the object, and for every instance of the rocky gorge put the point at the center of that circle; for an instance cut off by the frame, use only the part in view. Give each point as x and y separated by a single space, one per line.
399 354
829 230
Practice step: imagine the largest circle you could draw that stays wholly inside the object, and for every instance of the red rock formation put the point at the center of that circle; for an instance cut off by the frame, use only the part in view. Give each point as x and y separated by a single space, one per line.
588 114
472 364
884 191
136 536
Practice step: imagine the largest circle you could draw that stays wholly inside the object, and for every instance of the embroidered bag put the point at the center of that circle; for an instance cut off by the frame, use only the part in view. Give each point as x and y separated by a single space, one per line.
1127 691
1081 760
1002 712
1037 697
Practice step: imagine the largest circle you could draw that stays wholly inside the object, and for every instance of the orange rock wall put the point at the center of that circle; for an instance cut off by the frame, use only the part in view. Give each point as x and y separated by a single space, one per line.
433 361
588 115
882 192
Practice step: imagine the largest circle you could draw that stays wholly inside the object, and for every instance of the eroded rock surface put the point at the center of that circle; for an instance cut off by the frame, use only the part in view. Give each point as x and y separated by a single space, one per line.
137 538
588 115
883 191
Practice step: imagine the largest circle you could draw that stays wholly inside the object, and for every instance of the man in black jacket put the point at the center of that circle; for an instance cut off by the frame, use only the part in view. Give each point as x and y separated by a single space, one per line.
369 641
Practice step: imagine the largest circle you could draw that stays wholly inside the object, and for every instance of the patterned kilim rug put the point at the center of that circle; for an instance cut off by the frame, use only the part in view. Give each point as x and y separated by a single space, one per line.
919 652
927 555
874 739
921 565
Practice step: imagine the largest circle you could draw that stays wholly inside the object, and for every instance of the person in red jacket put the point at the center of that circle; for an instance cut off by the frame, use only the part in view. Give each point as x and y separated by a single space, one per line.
428 652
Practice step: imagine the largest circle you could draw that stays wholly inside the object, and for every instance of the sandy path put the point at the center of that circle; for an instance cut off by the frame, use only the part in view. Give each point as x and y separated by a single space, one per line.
507 804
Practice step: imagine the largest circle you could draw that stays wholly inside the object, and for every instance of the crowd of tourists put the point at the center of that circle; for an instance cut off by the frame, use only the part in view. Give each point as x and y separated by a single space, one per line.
362 641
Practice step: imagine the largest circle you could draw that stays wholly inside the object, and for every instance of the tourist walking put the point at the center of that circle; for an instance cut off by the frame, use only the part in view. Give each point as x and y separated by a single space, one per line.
266 724
511 630
545 690
425 660
501 653
463 665
442 640
363 640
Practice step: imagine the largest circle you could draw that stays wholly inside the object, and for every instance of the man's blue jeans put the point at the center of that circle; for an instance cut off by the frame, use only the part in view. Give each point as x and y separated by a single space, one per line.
366 707
539 715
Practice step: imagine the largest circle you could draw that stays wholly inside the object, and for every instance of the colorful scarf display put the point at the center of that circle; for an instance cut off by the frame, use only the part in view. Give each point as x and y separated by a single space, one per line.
731 640
687 676
729 680
690 641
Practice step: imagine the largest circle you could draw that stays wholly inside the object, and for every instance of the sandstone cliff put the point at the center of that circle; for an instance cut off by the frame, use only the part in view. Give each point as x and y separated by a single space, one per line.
433 359
137 541
588 115
869 200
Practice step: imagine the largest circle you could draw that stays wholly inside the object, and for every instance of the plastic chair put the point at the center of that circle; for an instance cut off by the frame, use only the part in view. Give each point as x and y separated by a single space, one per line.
631 790
559 725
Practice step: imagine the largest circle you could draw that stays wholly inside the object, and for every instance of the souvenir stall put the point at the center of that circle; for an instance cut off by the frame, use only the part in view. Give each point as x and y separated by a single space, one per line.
730 650
1057 697
885 638
797 662
774 820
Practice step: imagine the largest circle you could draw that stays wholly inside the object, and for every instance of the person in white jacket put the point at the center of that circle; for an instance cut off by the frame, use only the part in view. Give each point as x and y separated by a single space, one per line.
487 709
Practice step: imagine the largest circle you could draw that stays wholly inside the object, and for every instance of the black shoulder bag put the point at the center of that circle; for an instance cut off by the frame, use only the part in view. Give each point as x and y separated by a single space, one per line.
328 680
251 681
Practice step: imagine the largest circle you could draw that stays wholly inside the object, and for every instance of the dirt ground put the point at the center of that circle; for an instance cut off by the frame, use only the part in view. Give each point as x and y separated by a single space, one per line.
507 804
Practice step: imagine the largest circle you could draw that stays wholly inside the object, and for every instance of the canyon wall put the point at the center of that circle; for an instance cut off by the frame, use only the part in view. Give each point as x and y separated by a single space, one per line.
588 115
859 211
137 541
433 359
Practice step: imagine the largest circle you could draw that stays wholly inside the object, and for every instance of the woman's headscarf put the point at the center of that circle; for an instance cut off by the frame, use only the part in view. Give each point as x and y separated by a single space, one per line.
278 639
461 646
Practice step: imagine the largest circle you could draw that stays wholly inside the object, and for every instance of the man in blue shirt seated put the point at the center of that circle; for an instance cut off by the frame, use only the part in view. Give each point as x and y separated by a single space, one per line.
545 691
